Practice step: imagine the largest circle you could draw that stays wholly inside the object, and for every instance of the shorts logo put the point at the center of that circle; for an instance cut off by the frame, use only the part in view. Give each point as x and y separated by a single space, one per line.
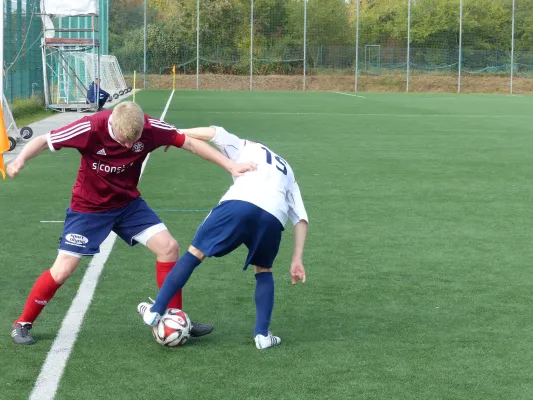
76 239
138 147
41 302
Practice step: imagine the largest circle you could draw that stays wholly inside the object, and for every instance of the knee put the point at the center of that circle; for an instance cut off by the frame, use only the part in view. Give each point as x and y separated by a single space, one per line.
169 250
63 267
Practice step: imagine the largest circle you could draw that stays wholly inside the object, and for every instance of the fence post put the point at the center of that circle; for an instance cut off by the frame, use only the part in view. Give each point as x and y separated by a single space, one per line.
305 43
512 48
460 46
198 44
19 53
8 52
144 65
251 44
408 41
357 45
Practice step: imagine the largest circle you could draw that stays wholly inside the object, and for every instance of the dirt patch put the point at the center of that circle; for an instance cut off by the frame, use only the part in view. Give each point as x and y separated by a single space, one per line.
422 83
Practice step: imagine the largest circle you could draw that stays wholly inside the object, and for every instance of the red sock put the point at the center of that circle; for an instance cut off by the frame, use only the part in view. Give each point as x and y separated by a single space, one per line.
161 271
42 292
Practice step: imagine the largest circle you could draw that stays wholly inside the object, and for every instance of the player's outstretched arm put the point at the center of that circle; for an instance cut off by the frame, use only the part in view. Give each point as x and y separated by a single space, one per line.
205 134
208 153
226 142
31 150
297 268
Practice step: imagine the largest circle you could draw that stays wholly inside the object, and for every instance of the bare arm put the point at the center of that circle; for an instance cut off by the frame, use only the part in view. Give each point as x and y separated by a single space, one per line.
31 150
208 153
297 269
226 142
205 134
300 235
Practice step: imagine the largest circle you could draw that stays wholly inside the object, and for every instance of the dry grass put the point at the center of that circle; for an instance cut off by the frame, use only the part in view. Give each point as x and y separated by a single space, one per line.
422 83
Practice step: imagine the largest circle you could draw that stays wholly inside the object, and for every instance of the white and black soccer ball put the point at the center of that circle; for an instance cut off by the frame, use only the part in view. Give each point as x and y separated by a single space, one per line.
173 329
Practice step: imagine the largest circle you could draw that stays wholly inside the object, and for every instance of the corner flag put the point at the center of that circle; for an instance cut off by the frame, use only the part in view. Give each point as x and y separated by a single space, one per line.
4 143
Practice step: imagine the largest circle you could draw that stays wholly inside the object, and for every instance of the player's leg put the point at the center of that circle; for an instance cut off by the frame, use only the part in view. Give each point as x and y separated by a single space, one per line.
166 250
174 282
264 304
140 224
42 292
263 248
219 234
82 235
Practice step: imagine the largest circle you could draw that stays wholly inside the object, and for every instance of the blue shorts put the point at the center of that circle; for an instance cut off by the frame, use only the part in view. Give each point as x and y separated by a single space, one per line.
84 232
235 222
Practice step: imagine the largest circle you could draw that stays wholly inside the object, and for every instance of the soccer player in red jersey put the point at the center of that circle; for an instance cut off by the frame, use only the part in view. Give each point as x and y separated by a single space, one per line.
105 197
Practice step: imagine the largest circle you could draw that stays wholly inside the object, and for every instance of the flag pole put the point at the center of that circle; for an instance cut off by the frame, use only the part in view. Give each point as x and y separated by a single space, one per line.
4 141
174 77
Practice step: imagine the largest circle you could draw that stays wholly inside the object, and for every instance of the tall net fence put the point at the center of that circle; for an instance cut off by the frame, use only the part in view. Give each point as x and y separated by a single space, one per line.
434 46
223 45
23 74
127 39
23 31
341 45
523 48
484 66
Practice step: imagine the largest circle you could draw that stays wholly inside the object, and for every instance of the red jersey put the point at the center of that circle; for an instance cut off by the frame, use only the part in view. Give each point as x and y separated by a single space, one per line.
109 172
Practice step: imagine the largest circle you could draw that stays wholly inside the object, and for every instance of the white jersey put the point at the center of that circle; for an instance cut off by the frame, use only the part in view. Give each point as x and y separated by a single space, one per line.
271 187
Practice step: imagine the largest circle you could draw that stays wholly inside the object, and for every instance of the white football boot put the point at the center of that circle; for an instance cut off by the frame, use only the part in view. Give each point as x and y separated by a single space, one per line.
149 318
264 342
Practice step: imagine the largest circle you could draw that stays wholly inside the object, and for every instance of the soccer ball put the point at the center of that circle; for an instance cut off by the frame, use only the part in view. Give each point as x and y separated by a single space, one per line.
173 329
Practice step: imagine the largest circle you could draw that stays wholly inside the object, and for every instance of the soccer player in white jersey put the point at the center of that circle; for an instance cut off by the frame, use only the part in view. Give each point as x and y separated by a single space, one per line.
253 212
113 146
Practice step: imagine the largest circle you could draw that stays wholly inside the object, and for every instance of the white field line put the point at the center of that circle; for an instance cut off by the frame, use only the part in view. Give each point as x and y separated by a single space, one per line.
48 380
441 98
351 94
359 114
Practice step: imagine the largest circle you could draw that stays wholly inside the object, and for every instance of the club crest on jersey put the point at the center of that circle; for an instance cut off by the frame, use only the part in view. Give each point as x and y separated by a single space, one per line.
138 147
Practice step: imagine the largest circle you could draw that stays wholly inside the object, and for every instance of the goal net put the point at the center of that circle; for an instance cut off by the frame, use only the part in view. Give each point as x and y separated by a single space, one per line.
111 78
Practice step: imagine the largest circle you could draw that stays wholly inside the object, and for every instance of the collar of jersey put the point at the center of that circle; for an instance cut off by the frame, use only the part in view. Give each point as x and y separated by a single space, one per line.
110 129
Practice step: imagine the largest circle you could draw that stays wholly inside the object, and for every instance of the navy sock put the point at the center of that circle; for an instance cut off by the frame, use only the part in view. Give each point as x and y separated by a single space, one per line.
175 280
264 302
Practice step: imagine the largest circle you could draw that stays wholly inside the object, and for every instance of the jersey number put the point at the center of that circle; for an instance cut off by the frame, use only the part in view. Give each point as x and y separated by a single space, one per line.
280 162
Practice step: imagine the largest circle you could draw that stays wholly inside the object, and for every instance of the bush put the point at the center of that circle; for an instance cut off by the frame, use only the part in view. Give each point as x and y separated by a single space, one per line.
24 107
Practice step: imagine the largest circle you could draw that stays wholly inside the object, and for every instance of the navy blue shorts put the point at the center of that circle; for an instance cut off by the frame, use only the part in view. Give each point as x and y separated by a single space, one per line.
235 222
84 232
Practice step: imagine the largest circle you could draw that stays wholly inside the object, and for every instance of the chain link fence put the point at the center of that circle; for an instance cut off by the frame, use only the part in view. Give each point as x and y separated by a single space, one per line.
23 31
22 53
342 45
471 46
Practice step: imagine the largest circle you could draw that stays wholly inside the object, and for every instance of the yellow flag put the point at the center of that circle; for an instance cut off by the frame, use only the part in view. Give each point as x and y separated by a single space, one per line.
4 143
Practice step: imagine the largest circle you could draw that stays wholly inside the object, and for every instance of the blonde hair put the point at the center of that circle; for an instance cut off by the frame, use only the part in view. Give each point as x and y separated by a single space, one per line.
128 119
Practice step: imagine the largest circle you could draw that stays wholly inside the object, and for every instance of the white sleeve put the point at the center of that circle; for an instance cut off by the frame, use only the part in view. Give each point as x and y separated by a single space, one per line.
227 143
296 205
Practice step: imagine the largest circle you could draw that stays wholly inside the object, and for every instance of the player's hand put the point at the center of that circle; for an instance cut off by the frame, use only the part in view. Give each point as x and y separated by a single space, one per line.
297 272
239 169
14 167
